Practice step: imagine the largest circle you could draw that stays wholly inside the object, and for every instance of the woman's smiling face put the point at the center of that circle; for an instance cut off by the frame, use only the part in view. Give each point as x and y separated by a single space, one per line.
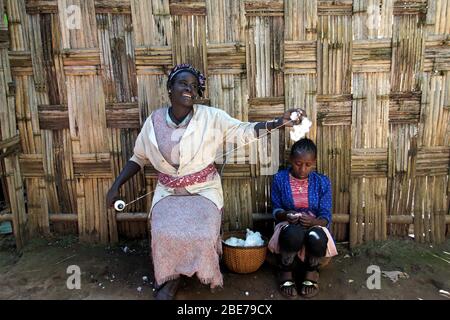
184 89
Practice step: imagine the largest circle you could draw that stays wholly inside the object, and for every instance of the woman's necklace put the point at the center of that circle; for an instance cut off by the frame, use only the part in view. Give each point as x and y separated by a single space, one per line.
302 183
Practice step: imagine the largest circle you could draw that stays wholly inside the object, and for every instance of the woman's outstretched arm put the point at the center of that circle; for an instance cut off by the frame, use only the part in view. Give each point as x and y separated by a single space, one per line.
285 119
130 169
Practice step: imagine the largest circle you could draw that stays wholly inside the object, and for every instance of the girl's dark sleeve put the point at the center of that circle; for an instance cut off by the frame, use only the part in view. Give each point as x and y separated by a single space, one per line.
276 197
325 201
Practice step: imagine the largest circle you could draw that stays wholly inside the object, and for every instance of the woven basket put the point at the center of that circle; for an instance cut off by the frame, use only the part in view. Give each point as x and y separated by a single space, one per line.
243 259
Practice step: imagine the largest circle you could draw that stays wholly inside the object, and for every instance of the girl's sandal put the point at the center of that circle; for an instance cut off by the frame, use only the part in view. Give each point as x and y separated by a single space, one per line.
310 286
287 285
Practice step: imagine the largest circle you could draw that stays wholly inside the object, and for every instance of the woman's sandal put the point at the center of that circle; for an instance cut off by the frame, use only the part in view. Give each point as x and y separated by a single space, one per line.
287 284
310 284
167 290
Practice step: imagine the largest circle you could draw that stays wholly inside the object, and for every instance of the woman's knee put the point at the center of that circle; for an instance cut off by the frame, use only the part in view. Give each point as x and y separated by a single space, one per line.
316 242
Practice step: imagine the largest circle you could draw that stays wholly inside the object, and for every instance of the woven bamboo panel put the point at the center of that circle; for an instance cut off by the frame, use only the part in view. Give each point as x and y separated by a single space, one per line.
402 159
373 75
370 111
47 186
10 169
332 107
334 160
430 208
87 120
25 52
265 55
333 54
119 63
373 19
54 119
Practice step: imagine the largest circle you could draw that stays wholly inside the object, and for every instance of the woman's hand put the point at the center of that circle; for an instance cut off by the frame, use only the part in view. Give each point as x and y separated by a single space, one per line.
287 117
130 169
112 196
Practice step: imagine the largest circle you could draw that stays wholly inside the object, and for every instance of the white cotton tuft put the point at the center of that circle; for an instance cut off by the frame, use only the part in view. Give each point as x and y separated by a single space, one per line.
294 116
299 131
253 239
235 242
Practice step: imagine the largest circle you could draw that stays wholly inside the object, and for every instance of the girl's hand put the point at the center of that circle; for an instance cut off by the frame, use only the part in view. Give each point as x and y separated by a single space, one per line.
287 117
292 217
112 196
307 221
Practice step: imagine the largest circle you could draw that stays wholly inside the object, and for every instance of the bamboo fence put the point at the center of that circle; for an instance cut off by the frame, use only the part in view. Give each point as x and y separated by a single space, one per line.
79 77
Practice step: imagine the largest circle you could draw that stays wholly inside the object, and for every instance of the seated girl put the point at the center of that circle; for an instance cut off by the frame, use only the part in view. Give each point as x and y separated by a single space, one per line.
301 200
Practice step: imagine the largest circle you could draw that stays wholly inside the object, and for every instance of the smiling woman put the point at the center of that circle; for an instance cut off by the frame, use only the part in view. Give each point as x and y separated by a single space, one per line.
184 85
181 142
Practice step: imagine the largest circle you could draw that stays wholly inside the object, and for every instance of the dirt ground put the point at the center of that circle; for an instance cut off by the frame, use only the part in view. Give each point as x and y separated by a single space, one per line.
39 272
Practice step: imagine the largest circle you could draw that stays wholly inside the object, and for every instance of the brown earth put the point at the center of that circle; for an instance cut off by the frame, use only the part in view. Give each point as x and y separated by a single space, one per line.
108 272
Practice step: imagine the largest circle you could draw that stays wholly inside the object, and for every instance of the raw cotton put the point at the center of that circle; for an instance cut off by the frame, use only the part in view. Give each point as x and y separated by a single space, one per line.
299 131
252 239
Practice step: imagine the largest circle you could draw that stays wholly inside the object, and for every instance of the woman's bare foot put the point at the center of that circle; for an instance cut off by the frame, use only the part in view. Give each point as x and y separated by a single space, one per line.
168 290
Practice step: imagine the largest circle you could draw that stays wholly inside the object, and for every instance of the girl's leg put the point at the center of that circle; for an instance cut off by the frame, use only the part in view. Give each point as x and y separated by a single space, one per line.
291 241
286 278
315 245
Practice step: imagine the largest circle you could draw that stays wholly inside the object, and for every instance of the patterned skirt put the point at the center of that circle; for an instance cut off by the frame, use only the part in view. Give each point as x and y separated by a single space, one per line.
185 233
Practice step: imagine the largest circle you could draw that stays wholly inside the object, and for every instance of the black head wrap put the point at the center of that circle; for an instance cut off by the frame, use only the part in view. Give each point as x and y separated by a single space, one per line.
188 68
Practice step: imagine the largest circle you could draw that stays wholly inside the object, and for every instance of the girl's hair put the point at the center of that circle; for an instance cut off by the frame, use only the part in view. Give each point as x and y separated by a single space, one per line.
188 68
304 145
